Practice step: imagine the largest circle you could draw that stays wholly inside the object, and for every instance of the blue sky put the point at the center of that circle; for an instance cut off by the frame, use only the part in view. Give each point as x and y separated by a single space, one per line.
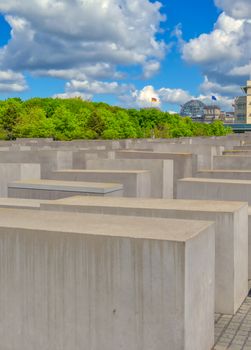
125 52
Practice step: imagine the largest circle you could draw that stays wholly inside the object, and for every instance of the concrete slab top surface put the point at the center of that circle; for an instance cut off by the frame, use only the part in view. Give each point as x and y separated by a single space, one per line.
224 171
66 185
102 225
101 171
153 152
21 202
151 203
240 155
220 181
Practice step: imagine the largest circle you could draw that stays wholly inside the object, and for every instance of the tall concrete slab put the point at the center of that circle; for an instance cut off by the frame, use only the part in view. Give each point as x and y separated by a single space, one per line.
48 159
161 172
127 283
184 164
231 234
11 172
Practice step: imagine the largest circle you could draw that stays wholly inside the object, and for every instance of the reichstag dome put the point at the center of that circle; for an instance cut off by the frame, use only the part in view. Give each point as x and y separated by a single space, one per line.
193 109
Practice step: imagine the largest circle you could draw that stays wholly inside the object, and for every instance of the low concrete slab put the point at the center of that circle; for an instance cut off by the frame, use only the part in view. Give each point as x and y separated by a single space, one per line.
230 162
52 189
20 203
214 189
161 172
124 283
136 183
225 174
231 220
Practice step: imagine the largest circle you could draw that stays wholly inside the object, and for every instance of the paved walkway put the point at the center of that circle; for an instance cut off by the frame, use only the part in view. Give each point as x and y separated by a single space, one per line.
234 332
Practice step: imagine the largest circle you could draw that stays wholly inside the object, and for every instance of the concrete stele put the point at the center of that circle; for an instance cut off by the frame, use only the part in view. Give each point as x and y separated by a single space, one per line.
82 281
136 183
231 218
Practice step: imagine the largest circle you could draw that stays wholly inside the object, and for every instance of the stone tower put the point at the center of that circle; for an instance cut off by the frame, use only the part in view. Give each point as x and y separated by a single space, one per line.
247 90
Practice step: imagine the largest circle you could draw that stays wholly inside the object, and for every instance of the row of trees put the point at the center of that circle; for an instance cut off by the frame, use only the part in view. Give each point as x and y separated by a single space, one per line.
67 119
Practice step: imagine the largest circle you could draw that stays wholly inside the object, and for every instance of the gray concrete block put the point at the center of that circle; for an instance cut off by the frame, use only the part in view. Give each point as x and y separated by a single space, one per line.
161 172
214 189
184 164
53 189
204 152
230 162
231 234
127 283
12 172
136 183
49 160
20 203
225 174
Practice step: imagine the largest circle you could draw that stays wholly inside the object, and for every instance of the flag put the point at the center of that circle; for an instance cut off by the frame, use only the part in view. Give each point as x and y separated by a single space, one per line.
214 98
154 99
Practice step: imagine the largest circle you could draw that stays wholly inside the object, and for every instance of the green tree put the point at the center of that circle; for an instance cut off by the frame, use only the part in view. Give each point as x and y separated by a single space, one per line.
10 114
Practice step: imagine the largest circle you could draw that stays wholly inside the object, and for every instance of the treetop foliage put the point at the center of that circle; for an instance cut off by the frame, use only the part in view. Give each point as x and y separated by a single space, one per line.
68 119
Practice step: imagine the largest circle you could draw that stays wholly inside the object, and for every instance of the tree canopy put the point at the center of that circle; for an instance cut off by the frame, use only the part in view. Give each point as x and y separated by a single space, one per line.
68 119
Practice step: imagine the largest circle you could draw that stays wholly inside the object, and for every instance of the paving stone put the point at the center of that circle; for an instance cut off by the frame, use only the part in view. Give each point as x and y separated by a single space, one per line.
234 332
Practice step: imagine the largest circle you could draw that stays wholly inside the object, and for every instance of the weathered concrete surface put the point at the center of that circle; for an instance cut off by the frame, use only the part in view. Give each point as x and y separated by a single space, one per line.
214 189
161 172
48 159
225 174
81 281
204 153
249 242
184 164
12 172
231 220
53 189
239 152
136 183
230 162
20 203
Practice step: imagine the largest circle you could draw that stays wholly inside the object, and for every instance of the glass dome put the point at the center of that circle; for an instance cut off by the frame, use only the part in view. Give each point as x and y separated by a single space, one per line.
193 109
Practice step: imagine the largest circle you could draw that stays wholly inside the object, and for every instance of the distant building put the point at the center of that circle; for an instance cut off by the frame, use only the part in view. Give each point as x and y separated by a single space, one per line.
193 109
198 111
242 105
211 113
228 117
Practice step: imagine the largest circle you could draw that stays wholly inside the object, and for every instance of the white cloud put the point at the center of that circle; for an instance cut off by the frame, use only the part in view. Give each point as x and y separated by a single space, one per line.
143 98
174 96
212 88
235 8
74 94
12 82
97 87
241 71
93 71
151 68
59 38
224 102
224 53
223 43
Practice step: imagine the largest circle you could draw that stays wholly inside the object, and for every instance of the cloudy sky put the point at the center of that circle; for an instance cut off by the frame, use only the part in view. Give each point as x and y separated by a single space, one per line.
125 52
